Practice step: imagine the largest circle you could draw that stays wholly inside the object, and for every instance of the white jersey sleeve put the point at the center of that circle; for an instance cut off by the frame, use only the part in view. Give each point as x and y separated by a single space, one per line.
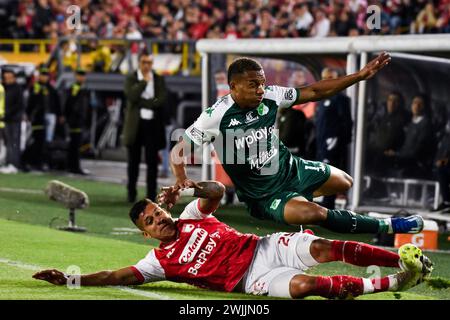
150 269
205 129
193 211
207 126
283 96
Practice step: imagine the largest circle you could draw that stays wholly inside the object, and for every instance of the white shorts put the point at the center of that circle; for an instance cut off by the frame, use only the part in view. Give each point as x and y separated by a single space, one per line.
278 258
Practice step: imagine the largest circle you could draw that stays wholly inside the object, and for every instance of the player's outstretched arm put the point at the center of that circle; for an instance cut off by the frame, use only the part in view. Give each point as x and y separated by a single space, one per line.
121 277
327 88
178 166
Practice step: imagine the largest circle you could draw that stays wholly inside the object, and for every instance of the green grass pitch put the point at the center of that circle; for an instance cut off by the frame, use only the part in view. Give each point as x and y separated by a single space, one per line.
29 240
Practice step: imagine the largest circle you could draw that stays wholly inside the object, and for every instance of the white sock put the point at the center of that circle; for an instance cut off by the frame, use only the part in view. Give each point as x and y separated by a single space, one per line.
388 222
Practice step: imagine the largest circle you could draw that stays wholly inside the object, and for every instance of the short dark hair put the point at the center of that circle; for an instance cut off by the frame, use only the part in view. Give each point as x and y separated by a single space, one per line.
138 208
144 52
241 65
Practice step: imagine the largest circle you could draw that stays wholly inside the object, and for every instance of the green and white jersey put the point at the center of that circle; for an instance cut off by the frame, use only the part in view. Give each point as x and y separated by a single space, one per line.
247 143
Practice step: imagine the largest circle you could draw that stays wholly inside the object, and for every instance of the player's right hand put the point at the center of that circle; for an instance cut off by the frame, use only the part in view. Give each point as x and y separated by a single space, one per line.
53 276
168 196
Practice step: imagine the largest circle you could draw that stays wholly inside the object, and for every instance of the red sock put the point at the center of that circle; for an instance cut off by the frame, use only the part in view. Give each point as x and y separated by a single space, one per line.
344 286
339 286
363 255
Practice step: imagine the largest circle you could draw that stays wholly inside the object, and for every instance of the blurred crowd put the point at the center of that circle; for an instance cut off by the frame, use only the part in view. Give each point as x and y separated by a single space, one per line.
229 19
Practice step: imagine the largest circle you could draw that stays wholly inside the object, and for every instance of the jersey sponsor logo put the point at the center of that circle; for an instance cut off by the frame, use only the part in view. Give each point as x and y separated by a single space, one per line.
250 117
275 204
234 122
203 256
254 136
289 95
262 109
318 168
263 157
188 228
193 246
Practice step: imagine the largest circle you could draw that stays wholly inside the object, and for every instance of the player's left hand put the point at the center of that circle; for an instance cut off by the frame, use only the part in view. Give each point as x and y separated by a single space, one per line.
375 65
53 276
168 196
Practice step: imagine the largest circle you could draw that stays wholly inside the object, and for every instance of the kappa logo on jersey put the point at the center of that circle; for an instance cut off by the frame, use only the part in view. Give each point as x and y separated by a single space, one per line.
188 228
193 246
234 122
249 117
209 111
289 95
262 109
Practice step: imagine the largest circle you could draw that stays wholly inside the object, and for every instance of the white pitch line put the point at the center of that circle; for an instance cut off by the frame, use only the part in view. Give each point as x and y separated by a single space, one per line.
143 293
22 265
31 191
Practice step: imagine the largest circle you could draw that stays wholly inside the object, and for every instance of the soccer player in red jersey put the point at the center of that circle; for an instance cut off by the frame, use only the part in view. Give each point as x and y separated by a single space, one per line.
200 250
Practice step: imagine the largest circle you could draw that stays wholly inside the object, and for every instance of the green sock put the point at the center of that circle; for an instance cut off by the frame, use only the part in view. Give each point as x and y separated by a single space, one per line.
345 221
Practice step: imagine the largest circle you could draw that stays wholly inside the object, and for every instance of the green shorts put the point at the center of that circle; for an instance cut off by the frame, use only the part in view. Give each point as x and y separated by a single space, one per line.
307 177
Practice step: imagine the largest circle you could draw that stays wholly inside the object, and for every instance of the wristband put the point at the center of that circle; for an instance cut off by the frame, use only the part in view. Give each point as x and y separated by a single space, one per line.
189 192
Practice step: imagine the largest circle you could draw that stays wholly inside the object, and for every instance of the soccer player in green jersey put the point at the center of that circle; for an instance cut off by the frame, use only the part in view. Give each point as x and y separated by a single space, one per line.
272 182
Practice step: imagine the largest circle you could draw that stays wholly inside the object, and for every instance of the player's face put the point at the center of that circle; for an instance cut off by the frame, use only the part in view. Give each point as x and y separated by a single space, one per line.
248 88
157 223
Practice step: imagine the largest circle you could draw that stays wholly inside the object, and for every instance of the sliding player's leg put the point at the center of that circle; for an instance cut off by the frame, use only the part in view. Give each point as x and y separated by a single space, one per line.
346 286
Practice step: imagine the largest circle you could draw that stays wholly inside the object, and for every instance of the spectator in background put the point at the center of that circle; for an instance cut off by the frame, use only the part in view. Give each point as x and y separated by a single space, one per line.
303 19
413 158
68 56
388 133
443 22
14 113
333 130
230 32
344 23
75 111
42 19
321 25
100 56
426 20
146 95
42 111
443 170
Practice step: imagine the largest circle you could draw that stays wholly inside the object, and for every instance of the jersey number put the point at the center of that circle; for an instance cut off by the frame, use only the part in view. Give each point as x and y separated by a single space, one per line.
289 95
284 239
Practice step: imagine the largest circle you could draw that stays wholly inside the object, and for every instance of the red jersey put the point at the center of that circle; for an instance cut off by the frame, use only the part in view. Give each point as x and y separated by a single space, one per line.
207 253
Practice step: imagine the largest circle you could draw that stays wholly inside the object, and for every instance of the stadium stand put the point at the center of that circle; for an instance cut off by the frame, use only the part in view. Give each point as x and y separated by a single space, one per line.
182 19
